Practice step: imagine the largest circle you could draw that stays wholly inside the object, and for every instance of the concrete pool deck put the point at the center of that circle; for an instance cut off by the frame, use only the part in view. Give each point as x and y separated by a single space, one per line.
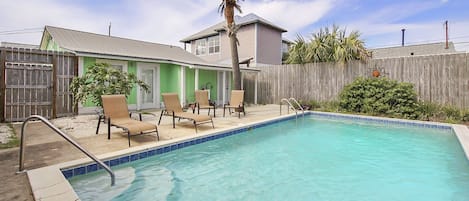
44 148
53 152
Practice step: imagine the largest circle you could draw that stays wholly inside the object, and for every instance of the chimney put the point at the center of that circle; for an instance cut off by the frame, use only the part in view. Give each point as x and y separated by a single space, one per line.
403 31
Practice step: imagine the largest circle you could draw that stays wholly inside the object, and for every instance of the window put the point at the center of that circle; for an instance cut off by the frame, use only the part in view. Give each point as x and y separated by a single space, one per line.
201 47
214 44
210 43
118 67
117 64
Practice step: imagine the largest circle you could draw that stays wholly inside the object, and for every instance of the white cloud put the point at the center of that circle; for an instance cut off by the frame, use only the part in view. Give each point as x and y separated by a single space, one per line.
291 15
158 21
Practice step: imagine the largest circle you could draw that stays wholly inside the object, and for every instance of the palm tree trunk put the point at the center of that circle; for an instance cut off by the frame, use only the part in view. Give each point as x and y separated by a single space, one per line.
235 59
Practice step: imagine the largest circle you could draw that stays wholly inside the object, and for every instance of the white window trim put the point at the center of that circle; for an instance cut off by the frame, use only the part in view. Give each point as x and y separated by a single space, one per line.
124 64
208 45
205 46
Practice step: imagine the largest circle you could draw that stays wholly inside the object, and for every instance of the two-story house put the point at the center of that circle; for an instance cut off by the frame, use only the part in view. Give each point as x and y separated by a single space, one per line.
260 42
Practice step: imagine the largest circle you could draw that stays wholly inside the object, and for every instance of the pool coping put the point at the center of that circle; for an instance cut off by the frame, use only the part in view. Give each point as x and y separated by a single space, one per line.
51 183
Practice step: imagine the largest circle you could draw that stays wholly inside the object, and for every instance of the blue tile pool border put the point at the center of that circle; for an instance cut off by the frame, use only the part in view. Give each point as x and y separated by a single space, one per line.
92 167
387 121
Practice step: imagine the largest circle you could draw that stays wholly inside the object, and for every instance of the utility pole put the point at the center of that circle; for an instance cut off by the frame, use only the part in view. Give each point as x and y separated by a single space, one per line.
109 29
447 38
403 31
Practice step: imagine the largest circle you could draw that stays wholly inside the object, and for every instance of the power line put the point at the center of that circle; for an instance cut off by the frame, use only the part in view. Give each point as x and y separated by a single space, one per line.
22 30
18 33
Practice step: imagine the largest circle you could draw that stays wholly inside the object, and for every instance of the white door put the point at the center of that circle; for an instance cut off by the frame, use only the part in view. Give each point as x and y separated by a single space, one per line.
224 87
148 73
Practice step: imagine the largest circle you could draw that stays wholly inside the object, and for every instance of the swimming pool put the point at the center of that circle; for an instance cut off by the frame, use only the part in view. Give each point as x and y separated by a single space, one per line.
314 158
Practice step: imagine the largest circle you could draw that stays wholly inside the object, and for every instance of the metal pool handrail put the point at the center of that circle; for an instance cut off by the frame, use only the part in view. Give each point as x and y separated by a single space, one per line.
288 106
298 104
291 105
66 137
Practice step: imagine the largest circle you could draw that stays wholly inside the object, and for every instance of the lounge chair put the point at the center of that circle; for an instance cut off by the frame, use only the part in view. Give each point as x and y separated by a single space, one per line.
117 114
173 108
202 102
236 102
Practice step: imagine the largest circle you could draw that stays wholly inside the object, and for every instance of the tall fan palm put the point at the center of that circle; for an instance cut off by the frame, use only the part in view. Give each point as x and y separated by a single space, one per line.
227 7
330 45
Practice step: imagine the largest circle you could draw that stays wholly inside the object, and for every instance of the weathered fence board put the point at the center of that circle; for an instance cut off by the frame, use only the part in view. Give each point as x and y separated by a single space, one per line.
442 79
36 82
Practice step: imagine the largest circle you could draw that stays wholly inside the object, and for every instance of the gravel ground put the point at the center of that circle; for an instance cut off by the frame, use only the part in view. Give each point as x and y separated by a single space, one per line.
5 133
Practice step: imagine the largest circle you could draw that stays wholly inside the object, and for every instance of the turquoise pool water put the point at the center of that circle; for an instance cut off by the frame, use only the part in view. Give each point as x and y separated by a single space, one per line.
308 159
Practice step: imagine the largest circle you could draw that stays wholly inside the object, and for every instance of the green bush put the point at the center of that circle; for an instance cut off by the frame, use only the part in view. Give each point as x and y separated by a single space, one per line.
101 79
330 106
380 96
452 113
429 110
310 105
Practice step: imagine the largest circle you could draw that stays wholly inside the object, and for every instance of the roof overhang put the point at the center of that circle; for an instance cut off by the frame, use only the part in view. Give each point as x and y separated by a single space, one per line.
194 65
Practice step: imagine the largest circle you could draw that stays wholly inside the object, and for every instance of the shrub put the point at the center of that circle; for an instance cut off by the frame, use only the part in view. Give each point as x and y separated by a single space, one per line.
380 96
429 110
452 113
101 79
329 106
310 105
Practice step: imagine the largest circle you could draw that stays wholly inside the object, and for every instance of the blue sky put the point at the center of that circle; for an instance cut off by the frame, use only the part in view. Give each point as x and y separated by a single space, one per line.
168 21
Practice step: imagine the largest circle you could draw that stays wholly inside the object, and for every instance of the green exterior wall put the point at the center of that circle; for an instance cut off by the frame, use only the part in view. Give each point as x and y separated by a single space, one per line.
132 68
190 85
50 44
87 62
209 77
170 78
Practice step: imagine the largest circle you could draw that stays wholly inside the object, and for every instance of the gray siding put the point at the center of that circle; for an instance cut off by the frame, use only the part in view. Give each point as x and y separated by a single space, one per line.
269 45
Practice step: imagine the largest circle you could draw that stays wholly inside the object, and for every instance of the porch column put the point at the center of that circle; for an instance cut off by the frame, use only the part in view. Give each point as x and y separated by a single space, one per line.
196 79
224 87
255 89
183 85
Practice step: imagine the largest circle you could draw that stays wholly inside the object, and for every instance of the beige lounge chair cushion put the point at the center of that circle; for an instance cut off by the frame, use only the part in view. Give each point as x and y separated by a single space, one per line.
196 117
133 126
115 108
171 102
201 97
237 98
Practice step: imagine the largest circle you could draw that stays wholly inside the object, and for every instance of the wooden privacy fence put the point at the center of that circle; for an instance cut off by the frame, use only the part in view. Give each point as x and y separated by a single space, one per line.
36 82
442 79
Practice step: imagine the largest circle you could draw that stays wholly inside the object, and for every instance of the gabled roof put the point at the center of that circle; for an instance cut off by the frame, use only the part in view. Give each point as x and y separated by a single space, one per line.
91 44
250 18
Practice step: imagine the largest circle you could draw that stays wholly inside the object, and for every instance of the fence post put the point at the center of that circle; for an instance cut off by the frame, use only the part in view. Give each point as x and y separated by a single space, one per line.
55 62
75 71
2 84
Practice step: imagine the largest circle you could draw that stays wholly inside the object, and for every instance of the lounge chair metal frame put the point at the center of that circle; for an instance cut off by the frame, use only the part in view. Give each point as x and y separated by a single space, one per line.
129 122
202 102
175 111
236 102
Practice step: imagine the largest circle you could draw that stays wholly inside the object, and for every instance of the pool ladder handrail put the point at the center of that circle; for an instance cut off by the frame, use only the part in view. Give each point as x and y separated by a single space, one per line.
291 105
66 137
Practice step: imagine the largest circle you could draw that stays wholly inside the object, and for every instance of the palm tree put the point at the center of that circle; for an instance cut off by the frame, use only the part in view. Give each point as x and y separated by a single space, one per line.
329 45
298 53
227 8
